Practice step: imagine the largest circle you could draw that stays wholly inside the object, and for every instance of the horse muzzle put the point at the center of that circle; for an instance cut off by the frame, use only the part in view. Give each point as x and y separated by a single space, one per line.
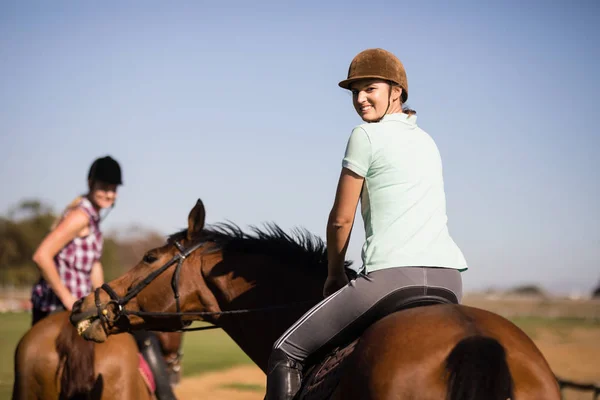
88 323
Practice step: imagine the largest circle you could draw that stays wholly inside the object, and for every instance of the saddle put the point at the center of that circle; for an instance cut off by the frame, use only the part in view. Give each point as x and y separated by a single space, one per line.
322 374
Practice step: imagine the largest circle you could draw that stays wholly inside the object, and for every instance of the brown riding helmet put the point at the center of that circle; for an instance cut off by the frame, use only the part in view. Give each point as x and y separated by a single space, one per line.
380 64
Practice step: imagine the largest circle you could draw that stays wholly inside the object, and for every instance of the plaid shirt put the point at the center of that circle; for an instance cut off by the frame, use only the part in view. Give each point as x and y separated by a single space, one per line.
74 264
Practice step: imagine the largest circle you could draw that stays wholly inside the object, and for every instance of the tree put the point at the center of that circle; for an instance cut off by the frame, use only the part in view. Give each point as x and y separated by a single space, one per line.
20 235
528 290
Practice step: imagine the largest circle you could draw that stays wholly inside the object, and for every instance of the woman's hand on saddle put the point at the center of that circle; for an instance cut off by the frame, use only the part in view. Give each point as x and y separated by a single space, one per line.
334 283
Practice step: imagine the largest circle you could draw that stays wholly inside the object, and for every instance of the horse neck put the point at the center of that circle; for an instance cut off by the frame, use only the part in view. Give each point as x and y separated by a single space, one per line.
248 282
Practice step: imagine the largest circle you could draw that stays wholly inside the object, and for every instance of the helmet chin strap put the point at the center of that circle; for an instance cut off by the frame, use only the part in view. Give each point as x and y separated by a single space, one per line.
103 217
388 106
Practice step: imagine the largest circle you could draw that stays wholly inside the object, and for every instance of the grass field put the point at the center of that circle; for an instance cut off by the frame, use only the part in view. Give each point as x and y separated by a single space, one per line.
571 345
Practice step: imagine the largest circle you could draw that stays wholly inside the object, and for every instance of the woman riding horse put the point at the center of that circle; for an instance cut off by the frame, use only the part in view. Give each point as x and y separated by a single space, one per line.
394 167
69 261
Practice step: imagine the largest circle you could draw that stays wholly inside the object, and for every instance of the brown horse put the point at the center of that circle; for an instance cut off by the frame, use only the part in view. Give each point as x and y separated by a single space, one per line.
53 362
254 286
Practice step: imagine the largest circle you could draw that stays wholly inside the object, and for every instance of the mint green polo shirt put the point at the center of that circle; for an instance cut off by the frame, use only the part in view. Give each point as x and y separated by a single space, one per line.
403 204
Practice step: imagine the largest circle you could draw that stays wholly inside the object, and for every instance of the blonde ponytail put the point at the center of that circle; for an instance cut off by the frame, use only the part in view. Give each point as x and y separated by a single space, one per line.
73 204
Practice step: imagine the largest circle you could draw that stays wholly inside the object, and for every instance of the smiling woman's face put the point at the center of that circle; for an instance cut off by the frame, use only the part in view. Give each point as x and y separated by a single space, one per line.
372 98
103 194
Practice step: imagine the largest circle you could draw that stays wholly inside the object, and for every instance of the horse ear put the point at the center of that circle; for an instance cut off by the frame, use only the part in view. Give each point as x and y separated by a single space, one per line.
196 219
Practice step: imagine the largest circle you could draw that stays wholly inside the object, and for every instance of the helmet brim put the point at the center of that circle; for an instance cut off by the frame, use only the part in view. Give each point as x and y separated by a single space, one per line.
345 84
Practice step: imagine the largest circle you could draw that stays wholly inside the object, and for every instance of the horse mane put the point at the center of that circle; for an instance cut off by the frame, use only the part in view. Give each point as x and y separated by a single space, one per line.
75 364
298 247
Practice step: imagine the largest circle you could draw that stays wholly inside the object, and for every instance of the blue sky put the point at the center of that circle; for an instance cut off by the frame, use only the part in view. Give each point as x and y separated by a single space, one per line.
238 104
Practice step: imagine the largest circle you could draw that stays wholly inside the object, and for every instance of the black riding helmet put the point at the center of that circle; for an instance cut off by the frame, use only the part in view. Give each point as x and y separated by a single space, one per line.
105 169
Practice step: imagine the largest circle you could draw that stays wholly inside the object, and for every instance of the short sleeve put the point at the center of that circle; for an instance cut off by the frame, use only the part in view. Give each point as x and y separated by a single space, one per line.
358 152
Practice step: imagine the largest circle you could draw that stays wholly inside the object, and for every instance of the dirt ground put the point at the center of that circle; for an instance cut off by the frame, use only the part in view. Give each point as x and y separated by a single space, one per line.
574 358
249 382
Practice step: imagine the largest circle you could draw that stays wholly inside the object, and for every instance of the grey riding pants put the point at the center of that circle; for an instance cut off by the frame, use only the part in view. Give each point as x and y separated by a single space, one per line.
357 305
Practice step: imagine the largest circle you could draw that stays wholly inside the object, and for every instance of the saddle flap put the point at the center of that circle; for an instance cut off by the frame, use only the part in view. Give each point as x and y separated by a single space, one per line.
146 373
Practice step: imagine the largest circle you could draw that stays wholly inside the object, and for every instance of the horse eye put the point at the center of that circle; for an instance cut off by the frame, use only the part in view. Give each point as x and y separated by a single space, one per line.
149 258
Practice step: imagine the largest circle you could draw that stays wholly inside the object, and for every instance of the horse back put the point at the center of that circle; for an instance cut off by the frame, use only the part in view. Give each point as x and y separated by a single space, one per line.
52 347
34 359
405 355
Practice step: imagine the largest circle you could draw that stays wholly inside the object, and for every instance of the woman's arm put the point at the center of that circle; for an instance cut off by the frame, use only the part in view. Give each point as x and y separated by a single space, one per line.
66 231
341 220
97 275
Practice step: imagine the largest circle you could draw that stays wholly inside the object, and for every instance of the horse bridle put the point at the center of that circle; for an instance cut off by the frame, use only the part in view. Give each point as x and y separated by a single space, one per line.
118 303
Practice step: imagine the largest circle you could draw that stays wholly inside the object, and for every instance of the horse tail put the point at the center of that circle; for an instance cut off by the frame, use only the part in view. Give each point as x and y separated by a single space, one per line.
75 364
477 370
